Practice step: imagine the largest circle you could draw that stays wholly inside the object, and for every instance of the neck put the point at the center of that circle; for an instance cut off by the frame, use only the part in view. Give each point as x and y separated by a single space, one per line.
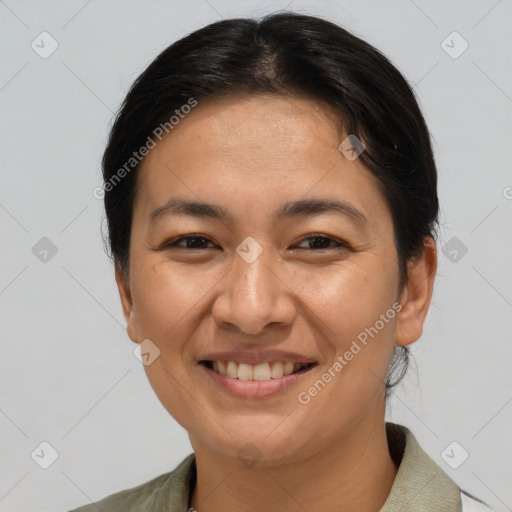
355 473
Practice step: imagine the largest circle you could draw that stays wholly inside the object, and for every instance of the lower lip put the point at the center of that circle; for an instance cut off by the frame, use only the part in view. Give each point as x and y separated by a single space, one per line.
254 388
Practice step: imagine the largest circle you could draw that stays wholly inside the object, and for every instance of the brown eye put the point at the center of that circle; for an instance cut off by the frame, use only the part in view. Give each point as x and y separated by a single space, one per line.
322 242
191 242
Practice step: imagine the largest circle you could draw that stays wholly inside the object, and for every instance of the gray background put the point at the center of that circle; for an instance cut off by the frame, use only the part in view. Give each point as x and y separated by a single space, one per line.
68 373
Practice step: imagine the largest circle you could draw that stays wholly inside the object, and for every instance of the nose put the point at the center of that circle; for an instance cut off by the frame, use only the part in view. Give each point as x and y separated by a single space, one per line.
254 295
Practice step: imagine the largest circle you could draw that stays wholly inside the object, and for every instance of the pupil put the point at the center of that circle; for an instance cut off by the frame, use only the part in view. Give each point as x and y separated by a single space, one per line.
320 242
196 242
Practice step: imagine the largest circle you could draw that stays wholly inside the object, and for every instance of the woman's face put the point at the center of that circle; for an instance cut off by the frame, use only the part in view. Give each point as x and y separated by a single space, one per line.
276 279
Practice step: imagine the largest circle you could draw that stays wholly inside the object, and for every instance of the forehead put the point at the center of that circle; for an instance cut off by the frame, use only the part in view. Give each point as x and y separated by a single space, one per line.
249 150
267 129
265 121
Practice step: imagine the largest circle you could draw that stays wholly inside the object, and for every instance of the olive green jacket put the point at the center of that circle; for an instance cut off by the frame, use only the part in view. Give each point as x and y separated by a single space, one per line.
420 485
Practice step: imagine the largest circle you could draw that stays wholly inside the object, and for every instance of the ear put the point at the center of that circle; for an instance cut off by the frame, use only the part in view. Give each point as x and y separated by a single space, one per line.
416 295
127 304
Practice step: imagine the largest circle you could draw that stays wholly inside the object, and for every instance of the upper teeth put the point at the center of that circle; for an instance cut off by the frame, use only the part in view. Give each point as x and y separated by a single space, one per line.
263 371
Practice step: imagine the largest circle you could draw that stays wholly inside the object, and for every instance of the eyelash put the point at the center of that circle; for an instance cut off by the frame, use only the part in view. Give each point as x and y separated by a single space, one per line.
174 244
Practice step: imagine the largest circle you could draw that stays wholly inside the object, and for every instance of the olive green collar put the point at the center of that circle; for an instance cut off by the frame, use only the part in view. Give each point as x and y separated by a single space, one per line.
420 483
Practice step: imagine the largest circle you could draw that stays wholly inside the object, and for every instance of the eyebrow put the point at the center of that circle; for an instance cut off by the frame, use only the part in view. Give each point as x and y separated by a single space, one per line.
299 208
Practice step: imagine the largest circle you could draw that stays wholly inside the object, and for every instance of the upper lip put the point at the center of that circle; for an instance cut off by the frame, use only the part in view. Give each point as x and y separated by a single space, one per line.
257 356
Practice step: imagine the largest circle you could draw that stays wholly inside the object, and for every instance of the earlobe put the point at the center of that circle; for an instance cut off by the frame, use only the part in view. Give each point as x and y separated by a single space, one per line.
127 304
416 295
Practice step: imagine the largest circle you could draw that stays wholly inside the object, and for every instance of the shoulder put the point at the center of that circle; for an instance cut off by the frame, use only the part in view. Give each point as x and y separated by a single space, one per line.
129 499
159 493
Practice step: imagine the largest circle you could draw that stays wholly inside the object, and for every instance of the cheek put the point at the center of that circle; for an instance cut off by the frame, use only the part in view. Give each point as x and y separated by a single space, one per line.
164 296
353 304
346 298
168 310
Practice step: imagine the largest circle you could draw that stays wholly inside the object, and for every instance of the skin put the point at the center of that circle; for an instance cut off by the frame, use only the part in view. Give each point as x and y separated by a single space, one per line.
250 155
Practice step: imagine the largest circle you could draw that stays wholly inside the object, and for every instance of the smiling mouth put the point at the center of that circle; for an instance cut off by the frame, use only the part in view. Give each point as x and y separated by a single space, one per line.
257 372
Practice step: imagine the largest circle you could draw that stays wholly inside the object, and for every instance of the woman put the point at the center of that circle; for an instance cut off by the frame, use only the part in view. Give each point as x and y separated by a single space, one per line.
270 191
